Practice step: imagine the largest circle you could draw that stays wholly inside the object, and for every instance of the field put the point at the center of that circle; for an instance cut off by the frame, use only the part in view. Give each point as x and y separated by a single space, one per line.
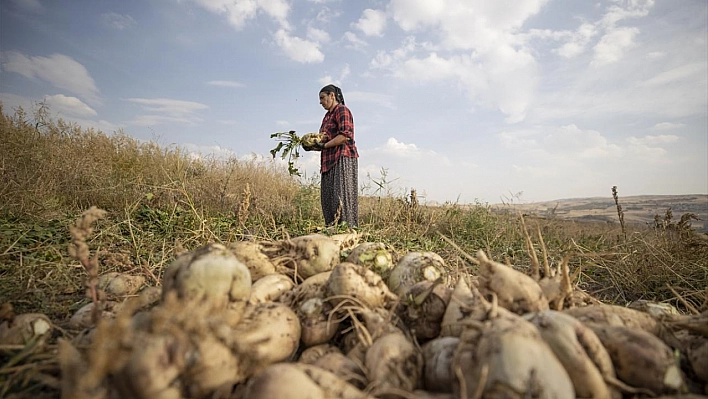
159 203
643 210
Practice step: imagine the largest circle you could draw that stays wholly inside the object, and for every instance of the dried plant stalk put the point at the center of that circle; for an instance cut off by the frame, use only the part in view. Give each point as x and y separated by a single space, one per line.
79 250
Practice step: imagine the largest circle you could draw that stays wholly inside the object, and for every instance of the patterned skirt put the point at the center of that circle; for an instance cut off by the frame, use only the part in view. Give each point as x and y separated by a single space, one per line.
339 193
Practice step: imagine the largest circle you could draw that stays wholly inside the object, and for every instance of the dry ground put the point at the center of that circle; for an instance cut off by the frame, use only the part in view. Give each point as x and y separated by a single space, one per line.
637 209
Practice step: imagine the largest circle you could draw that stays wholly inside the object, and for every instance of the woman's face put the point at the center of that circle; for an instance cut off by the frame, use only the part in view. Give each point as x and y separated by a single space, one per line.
327 100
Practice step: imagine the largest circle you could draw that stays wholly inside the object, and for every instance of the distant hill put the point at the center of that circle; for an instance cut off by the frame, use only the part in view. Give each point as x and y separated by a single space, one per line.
637 209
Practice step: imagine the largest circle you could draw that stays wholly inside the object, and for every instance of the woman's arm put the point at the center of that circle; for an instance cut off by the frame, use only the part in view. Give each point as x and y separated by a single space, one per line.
337 141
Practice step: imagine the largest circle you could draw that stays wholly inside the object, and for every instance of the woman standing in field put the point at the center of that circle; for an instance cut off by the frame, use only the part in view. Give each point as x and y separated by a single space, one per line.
338 160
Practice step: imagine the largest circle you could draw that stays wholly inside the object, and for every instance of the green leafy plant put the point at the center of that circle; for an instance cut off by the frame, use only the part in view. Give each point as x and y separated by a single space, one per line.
289 144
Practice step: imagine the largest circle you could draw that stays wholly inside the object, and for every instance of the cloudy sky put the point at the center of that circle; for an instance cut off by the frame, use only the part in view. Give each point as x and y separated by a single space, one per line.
462 100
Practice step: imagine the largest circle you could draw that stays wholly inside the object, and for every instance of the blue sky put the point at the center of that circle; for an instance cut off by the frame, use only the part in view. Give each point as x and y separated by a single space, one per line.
462 100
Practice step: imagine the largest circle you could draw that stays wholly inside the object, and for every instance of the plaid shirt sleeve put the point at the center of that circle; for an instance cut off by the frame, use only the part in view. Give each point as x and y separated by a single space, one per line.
338 121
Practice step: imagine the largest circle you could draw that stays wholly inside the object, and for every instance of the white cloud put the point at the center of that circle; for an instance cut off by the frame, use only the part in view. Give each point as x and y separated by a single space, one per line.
475 25
504 79
168 106
328 79
326 15
578 41
631 9
300 50
481 50
117 21
650 146
277 9
238 12
385 59
668 126
613 44
572 141
208 152
410 14
693 72
658 139
69 106
397 148
226 83
317 35
152 120
60 70
70 109
164 110
354 41
397 151
372 22
101 125
566 143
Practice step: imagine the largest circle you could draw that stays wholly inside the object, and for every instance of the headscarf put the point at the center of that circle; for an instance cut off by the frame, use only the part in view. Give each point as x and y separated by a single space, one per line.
337 92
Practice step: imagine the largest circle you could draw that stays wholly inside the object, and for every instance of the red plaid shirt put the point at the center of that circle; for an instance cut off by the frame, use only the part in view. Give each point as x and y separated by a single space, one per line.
338 121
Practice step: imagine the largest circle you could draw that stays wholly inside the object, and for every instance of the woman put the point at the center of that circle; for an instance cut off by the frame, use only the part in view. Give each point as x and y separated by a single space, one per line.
338 161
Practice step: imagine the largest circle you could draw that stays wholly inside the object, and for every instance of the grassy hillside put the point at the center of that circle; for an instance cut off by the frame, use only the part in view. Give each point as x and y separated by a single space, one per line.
160 200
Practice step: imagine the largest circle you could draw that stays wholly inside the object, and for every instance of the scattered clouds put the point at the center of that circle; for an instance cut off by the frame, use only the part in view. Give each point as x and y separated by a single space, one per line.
69 106
385 59
477 50
239 12
276 9
300 50
660 139
343 74
317 35
397 151
204 152
70 109
354 42
650 146
577 41
569 143
613 45
504 78
668 126
625 9
695 72
482 48
372 22
226 83
326 15
60 70
164 110
117 21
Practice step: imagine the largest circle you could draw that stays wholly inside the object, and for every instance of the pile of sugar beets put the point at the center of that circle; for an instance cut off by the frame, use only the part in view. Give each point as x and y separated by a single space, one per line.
331 317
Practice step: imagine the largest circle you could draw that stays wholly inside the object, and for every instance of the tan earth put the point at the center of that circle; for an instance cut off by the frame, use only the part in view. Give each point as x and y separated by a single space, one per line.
637 209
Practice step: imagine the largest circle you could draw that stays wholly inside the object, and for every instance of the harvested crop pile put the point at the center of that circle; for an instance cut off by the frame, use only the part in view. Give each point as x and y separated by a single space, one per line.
312 317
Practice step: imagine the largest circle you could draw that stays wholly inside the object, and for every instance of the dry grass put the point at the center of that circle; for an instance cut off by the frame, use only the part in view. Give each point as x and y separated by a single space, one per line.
160 202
